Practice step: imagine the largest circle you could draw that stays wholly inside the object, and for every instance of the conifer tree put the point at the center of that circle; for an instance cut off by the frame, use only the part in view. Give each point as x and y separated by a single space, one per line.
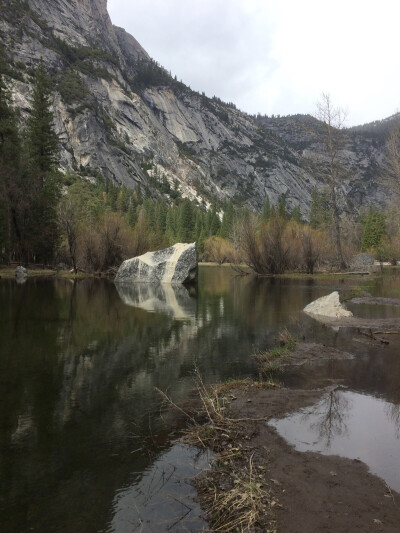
10 149
42 150
213 222
296 214
161 217
42 143
186 222
374 229
320 210
171 226
227 221
282 210
266 210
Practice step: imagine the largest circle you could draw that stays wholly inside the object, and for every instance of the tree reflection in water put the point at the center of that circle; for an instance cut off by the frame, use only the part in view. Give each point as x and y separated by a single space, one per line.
330 415
393 413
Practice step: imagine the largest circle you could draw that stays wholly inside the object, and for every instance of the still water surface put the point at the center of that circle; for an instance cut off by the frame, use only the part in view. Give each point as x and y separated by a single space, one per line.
84 445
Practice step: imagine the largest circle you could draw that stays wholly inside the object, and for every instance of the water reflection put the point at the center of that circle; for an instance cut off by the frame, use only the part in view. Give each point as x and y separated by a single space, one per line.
79 364
393 413
350 425
171 300
330 416
163 499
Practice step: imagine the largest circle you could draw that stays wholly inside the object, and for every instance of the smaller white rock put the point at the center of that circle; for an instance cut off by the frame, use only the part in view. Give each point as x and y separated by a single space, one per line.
329 306
20 272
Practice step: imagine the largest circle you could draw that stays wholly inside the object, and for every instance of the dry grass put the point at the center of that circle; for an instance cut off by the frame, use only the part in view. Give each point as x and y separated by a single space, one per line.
231 493
243 505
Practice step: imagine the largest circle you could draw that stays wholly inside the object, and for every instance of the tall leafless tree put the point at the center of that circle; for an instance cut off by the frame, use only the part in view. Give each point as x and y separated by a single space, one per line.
393 156
333 119
69 225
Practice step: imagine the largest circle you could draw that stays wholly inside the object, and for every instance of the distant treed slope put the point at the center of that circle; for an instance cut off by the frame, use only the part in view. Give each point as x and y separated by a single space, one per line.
119 113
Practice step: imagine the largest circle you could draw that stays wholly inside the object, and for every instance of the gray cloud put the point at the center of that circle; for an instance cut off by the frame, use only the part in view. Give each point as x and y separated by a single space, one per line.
275 57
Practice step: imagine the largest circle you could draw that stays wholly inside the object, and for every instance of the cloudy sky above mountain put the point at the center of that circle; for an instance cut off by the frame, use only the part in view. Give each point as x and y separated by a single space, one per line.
276 57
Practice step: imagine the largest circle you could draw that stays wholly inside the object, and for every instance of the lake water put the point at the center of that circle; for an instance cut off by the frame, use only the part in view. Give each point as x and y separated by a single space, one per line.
84 443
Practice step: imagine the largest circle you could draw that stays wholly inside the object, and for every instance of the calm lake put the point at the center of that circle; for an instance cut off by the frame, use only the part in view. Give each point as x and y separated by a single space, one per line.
84 443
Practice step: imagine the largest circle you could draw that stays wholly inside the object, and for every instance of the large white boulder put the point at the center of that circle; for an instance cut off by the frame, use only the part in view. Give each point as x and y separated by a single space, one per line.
329 306
177 264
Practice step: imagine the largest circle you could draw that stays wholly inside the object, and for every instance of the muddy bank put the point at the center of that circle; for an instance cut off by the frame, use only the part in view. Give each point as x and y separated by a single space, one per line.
307 352
387 324
372 300
302 491
313 493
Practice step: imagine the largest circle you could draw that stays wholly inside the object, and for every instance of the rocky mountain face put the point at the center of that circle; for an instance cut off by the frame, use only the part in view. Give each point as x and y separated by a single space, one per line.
119 113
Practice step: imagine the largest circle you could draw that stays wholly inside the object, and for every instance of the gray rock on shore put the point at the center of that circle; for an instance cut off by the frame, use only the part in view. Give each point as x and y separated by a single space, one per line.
20 274
363 262
177 264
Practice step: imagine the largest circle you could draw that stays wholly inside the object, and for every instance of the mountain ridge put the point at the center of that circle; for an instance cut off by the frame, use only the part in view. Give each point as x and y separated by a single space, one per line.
119 113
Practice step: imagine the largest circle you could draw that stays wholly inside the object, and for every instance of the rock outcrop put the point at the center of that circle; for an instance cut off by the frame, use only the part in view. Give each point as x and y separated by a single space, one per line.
328 306
176 265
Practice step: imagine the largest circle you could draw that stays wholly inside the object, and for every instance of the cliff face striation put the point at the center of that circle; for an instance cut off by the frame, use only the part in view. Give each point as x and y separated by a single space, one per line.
119 113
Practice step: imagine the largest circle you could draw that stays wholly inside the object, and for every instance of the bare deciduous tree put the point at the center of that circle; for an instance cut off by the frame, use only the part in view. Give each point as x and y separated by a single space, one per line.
69 224
311 250
333 119
263 246
393 156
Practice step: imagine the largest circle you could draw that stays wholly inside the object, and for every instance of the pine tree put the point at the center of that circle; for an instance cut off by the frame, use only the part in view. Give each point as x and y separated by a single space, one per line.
161 217
266 210
171 226
320 209
198 225
282 210
296 214
41 148
374 229
213 222
41 140
227 221
186 222
10 149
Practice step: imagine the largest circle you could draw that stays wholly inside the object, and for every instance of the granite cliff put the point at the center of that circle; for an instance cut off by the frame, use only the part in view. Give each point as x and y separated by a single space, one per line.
119 113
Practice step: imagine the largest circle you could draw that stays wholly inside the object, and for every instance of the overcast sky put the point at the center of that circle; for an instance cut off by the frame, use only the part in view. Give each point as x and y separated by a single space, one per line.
276 56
